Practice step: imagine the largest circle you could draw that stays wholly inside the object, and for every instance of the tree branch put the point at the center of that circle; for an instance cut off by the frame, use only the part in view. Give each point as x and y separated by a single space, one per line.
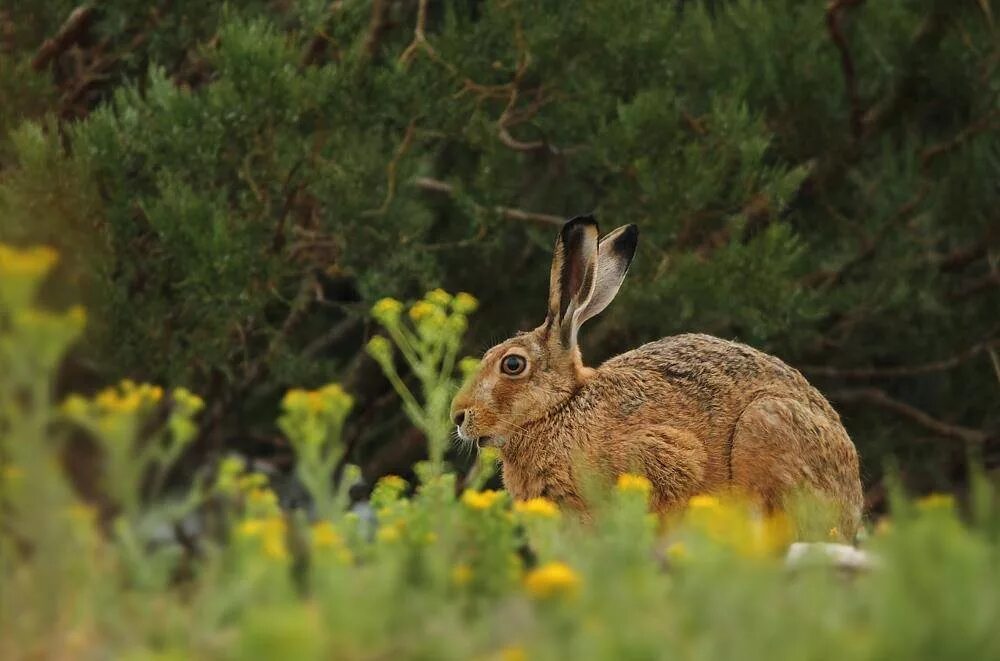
70 31
880 398
904 370
834 12
510 213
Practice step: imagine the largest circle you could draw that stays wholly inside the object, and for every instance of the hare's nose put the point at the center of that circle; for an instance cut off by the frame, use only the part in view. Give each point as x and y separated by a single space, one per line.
458 418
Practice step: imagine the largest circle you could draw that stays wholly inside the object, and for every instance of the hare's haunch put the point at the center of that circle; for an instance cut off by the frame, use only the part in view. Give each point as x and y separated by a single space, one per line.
694 413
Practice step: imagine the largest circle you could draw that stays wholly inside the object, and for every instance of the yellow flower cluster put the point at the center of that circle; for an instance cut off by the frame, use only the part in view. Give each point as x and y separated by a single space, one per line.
387 309
21 272
628 482
461 574
464 303
270 532
325 539
468 366
540 508
393 482
331 399
936 502
31 262
513 653
554 579
704 502
391 532
437 311
480 500
422 310
733 524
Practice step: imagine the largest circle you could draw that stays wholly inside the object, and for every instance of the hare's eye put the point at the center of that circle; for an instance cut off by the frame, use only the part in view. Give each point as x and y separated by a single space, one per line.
512 364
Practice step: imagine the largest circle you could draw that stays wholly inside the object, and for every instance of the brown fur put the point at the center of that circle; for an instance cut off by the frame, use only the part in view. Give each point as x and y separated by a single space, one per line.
694 413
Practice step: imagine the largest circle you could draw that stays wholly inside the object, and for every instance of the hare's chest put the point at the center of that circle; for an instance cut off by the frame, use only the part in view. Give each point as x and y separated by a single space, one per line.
539 479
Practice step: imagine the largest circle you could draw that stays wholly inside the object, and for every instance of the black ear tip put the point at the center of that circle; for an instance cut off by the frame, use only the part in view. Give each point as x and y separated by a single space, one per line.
627 241
577 223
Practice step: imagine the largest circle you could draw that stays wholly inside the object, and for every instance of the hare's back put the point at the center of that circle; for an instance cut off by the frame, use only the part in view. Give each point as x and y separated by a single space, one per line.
716 369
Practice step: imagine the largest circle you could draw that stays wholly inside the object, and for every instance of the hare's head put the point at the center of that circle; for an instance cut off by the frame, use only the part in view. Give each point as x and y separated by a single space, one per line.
531 374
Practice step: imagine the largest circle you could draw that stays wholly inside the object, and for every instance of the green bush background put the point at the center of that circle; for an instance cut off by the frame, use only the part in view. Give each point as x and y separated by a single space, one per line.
233 186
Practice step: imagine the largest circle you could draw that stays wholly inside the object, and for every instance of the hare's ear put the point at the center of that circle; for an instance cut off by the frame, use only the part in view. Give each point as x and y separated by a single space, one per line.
614 255
574 262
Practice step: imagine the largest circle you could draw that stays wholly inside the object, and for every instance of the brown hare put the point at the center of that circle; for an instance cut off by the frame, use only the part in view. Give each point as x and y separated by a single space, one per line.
694 413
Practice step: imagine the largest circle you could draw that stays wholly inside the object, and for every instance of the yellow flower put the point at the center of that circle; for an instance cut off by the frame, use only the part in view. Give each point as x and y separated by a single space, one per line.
390 533
677 551
271 533
32 262
81 513
464 303
380 349
833 533
703 502
537 507
480 500
461 574
325 536
552 580
468 366
10 473
629 482
337 397
250 528
513 653
296 398
393 482
489 455
74 406
387 309
262 499
936 502
250 481
422 310
439 297
186 401
734 524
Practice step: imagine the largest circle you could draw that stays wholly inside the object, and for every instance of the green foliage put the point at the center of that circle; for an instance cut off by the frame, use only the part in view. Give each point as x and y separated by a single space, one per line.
442 575
247 179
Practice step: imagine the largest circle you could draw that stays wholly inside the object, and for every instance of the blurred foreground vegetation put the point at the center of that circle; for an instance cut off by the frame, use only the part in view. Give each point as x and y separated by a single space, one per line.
233 186
437 569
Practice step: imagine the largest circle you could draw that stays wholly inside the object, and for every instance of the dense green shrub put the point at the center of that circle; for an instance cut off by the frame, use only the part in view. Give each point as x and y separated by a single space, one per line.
818 182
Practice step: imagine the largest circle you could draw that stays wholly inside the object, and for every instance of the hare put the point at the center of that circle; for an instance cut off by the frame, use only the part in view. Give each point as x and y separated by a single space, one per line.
694 413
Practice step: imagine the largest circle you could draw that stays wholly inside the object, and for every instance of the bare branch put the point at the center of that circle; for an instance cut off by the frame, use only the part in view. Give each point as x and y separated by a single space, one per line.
70 31
904 370
880 398
510 213
833 25
419 36
376 27
390 169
